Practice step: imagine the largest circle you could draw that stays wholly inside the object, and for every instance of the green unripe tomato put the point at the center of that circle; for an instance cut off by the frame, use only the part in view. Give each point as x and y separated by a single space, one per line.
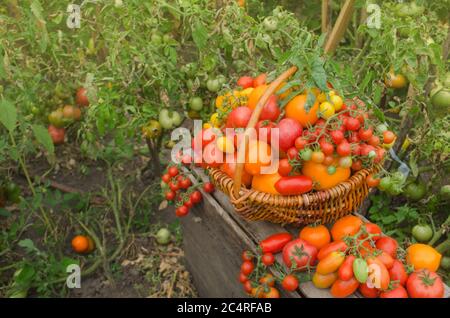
163 236
196 103
213 85
415 191
422 232
445 192
331 170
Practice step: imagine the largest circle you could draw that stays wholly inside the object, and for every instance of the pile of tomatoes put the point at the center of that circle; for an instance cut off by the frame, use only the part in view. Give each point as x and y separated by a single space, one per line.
178 188
66 115
323 139
352 256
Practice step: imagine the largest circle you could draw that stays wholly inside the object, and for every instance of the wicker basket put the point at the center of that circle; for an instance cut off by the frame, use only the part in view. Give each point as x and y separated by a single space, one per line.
324 206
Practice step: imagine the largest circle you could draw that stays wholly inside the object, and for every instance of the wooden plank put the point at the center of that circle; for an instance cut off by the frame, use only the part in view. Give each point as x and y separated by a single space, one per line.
325 16
339 28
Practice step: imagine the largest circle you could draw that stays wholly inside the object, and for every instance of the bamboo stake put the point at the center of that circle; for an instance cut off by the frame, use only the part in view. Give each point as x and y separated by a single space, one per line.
325 17
341 25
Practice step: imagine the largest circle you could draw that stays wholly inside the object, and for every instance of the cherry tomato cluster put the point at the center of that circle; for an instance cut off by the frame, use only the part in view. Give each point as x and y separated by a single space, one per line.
181 191
352 256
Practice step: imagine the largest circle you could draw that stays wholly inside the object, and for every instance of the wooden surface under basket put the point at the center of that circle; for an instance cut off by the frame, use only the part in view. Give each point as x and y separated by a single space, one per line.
324 205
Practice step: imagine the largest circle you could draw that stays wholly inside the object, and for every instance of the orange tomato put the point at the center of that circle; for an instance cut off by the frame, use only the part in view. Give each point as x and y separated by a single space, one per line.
319 236
330 263
393 80
423 256
295 109
80 244
324 281
322 179
347 225
344 288
267 280
255 95
272 293
230 167
266 182
71 112
257 156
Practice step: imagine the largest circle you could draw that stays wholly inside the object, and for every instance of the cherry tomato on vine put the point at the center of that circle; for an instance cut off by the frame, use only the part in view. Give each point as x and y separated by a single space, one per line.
208 187
247 267
337 136
268 259
388 137
352 124
343 149
327 148
196 197
174 186
181 211
188 203
170 195
284 167
185 183
290 283
372 181
172 171
317 156
247 256
365 134
243 278
166 178
245 82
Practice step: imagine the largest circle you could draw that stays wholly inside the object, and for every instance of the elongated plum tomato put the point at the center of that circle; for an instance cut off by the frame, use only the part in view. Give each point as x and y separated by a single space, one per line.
345 272
294 185
275 242
288 131
306 257
239 117
295 109
81 97
270 111
324 281
368 292
316 235
340 246
344 288
398 273
388 245
330 263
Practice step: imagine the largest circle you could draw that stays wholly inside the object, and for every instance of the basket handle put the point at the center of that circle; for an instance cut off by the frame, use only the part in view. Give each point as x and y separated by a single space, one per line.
252 123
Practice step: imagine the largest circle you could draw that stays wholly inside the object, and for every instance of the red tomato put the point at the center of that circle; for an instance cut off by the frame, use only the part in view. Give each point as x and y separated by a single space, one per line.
260 80
343 149
247 256
196 197
245 82
331 247
345 271
170 195
166 178
344 288
208 187
352 124
308 254
353 138
300 143
174 186
357 165
398 273
289 130
379 154
188 203
248 287
374 229
263 130
268 259
270 111
368 292
247 267
284 167
243 278
239 117
294 185
181 211
374 141
57 134
365 134
372 181
290 283
337 136
275 243
367 149
81 97
388 136
172 171
425 284
397 292
327 148
386 259
212 156
388 245
185 183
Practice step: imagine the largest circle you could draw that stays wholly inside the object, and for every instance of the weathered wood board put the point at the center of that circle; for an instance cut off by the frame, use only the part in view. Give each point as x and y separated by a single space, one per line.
214 236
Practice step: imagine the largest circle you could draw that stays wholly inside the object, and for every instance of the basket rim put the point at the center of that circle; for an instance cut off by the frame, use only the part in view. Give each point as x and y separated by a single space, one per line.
304 199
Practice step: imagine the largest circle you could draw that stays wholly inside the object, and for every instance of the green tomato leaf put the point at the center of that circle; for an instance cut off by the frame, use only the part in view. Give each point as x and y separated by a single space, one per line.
200 35
8 115
5 213
43 137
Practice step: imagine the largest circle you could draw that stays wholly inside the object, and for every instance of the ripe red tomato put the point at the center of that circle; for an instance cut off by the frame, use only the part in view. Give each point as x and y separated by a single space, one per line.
345 271
243 278
335 246
247 267
260 80
290 253
352 124
294 185
372 181
397 292
327 148
248 287
185 183
239 117
81 97
289 130
425 284
368 292
172 171
57 134
181 211
380 152
374 141
398 273
388 136
357 165
270 111
174 186
337 136
245 82
290 283
365 134
275 243
300 143
264 130
188 203
344 288
353 138
170 195
343 149
284 167
212 156
367 149
208 187
374 229
268 259
166 178
247 256
388 245
196 197
292 153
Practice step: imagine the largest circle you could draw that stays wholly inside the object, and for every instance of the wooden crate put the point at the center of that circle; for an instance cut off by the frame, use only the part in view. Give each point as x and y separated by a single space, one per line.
214 237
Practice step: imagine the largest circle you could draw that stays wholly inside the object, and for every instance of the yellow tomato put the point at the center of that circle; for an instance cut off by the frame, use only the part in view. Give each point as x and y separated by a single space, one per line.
337 102
266 182
326 110
207 125
423 256
324 281
393 80
246 92
215 121
227 101
322 97
225 145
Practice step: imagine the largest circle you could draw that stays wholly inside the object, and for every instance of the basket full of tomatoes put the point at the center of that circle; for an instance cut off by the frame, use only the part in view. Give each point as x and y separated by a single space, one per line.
327 150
